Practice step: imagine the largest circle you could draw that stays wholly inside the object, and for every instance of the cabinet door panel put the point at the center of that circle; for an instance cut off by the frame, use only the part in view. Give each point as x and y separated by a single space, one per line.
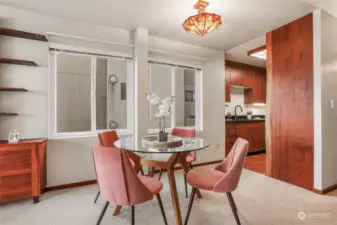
236 75
227 84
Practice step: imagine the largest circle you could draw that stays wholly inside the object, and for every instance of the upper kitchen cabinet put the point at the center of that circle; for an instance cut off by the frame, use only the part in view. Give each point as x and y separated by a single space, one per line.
257 93
240 74
227 85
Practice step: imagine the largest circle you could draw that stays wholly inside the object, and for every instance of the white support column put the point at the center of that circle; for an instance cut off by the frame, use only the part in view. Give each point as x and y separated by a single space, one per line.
173 93
141 82
318 154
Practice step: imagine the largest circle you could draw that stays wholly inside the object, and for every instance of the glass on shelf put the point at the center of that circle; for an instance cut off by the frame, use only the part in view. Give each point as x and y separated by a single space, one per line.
14 136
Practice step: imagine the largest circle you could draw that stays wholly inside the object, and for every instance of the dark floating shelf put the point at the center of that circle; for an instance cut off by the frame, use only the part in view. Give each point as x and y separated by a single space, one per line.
17 62
8 114
13 89
22 34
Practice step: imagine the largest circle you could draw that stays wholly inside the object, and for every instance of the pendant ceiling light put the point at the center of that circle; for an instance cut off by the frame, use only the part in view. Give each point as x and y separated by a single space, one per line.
202 23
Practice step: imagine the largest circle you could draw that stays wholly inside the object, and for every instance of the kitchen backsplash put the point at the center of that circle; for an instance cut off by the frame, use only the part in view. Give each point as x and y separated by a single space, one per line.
237 98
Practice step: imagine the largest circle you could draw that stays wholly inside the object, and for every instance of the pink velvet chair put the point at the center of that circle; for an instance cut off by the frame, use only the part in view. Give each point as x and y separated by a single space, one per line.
107 139
224 178
191 157
120 185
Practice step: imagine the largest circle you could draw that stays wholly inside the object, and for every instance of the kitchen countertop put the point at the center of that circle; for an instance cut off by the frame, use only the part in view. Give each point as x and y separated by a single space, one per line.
245 120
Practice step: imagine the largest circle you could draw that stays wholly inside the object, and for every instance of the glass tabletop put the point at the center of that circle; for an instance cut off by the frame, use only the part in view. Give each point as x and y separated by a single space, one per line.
188 145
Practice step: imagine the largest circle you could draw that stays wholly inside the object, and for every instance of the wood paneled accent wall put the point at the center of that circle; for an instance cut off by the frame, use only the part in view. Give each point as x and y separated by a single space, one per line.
289 122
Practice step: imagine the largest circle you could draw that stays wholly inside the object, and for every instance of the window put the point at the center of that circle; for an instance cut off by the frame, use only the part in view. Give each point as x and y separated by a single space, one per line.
168 80
90 93
73 102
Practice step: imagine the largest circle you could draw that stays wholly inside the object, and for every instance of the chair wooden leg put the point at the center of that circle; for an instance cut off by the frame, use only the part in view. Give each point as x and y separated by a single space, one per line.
161 173
151 171
102 213
97 197
161 208
190 205
117 210
142 171
132 220
186 189
185 181
233 206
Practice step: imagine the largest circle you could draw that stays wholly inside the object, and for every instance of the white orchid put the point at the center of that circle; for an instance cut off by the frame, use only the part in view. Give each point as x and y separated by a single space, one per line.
164 107
153 98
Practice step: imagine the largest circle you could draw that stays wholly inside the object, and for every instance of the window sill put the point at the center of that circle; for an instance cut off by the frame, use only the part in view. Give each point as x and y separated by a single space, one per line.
121 133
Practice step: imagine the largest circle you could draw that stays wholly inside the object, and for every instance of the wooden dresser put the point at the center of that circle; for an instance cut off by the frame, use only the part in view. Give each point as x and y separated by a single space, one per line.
22 170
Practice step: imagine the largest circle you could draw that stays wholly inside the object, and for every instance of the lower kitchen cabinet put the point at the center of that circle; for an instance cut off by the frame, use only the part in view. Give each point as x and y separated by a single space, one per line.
252 131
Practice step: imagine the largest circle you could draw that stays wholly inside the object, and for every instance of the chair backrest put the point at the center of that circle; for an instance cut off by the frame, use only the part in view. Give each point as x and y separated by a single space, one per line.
232 167
108 138
185 133
118 181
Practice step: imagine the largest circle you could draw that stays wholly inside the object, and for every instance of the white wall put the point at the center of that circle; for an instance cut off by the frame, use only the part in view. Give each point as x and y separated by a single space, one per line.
329 87
69 160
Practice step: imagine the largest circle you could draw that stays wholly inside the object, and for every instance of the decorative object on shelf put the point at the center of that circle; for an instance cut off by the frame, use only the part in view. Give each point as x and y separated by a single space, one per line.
202 23
164 110
153 142
13 136
189 96
249 114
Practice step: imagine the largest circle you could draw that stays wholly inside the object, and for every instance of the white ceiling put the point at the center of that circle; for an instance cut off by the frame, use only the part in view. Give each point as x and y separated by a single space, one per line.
239 53
243 20
328 5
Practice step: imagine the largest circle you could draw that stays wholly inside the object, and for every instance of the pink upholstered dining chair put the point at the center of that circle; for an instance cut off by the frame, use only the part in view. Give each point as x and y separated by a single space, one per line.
107 139
224 178
119 183
191 157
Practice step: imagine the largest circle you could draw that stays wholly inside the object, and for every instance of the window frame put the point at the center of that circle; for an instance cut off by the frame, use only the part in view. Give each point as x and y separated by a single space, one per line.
94 54
198 95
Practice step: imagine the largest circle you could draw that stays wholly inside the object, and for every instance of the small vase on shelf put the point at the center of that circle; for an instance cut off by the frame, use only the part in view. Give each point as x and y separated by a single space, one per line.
14 136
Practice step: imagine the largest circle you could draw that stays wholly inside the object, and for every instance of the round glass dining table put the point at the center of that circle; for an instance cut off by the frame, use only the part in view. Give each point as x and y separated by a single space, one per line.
165 158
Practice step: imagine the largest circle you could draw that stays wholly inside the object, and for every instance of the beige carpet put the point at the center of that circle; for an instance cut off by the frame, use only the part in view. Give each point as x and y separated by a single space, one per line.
260 201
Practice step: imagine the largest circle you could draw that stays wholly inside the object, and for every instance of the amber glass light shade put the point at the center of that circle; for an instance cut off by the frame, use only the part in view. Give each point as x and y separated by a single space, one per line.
202 23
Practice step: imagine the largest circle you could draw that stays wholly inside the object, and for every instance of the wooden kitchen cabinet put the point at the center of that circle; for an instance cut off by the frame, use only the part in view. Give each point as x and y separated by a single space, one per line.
257 93
253 78
22 170
236 75
240 74
252 131
227 84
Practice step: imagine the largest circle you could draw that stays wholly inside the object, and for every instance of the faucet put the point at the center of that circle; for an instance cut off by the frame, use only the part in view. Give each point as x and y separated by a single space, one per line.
238 106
